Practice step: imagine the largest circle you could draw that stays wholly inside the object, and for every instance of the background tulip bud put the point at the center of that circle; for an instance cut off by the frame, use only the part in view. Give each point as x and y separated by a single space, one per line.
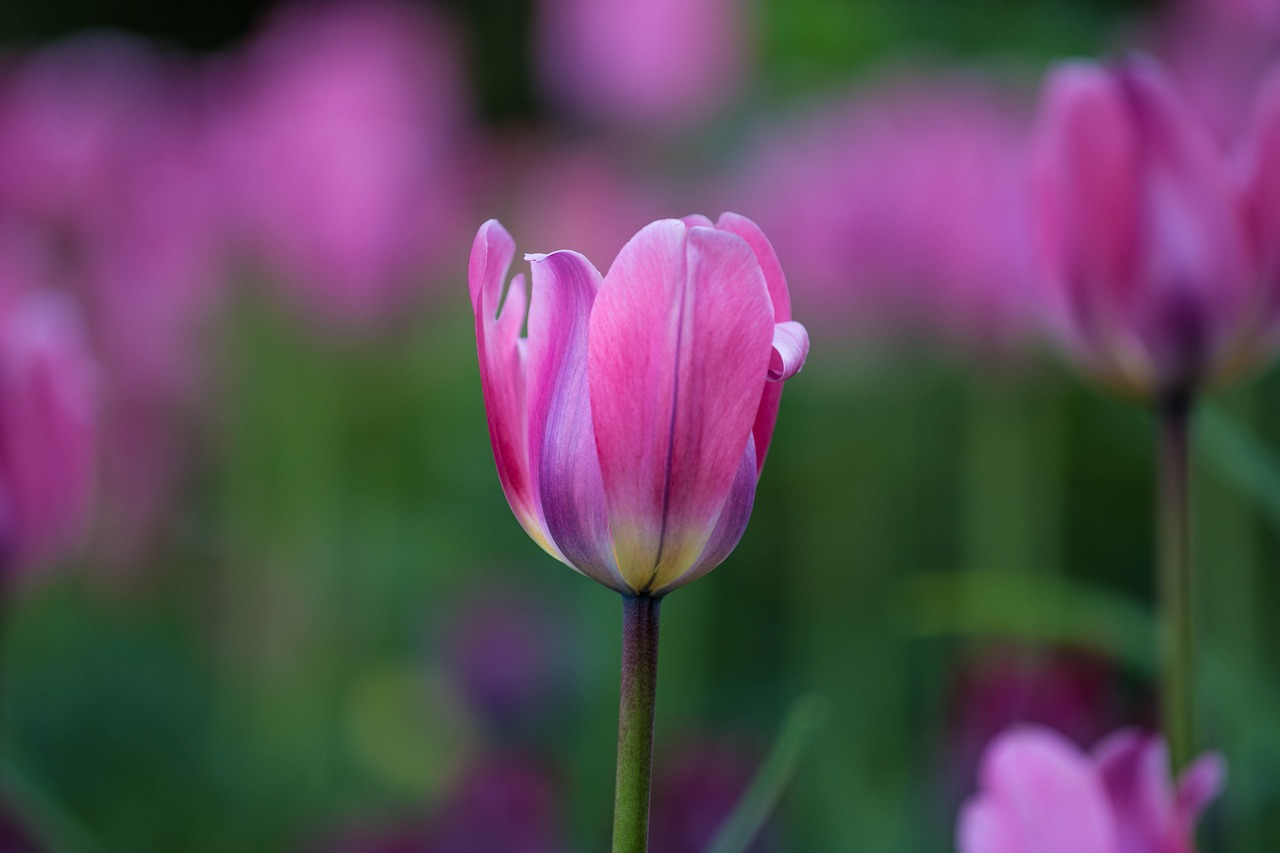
46 430
1141 229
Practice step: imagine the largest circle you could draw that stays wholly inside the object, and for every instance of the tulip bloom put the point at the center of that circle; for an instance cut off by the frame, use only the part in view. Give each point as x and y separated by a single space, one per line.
1142 232
1153 286
631 425
46 430
1041 794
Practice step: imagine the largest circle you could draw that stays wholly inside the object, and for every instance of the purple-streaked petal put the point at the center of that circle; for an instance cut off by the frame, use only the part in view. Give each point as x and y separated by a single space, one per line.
1087 183
1134 766
562 442
790 349
1038 793
1199 785
780 296
731 524
680 340
48 408
1193 267
501 353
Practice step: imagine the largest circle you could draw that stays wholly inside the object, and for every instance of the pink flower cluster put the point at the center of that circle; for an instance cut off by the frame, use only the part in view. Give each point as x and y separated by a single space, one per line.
329 152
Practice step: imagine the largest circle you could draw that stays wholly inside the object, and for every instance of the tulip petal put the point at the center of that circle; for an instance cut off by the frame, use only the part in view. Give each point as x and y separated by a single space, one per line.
1201 782
986 827
731 524
1193 269
1038 793
562 443
501 353
1085 173
790 349
780 296
680 341
1135 772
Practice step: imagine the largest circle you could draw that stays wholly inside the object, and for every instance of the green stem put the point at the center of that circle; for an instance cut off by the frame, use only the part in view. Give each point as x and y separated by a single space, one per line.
635 723
1177 691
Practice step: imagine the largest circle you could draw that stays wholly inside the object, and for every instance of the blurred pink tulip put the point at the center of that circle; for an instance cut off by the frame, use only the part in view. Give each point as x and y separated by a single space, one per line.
663 64
1077 693
631 425
1149 278
110 176
343 137
47 423
902 213
1040 794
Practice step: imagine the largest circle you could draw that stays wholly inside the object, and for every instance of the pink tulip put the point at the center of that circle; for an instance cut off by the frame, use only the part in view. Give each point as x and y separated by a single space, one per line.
46 429
659 64
1141 230
108 172
631 425
343 137
1040 794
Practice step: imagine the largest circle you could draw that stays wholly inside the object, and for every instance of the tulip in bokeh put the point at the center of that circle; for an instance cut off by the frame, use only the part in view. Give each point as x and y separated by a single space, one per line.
46 430
1150 281
1075 692
658 64
107 175
1040 794
343 137
631 425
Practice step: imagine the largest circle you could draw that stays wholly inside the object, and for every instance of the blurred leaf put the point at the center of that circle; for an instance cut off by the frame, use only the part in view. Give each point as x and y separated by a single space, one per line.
806 717
1045 608
53 823
1242 459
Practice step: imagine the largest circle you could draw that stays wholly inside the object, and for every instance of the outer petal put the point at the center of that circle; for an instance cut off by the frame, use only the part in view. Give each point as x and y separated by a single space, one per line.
780 296
1135 770
1201 782
731 524
1150 815
1086 179
502 371
562 443
1039 793
680 341
790 349
47 406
